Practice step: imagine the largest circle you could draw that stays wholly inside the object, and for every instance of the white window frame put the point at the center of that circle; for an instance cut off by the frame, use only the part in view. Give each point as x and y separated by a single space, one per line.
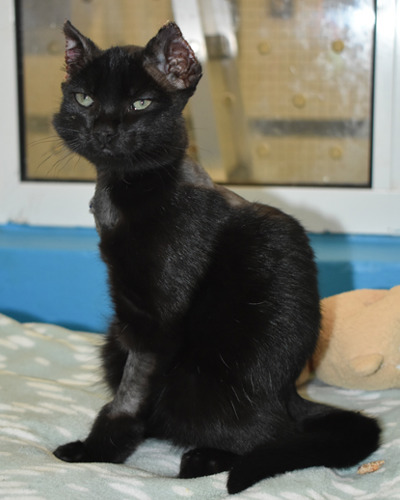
374 210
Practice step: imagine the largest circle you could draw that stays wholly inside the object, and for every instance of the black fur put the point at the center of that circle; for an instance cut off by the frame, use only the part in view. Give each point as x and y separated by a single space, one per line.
215 298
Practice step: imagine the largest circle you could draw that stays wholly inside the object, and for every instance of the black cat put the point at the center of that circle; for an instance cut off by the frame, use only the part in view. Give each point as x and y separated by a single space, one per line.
215 298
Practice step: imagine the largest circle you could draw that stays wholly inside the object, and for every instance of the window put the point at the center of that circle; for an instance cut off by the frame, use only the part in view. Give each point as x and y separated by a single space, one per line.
283 115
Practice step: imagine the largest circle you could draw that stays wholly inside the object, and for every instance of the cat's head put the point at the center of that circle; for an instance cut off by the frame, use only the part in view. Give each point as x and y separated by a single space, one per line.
122 106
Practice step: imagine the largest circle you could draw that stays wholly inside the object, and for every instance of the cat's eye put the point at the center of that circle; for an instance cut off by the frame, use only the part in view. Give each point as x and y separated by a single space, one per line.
83 99
141 104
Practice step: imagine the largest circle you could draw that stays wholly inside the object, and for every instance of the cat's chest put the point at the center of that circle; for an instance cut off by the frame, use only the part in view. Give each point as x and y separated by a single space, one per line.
157 259
105 214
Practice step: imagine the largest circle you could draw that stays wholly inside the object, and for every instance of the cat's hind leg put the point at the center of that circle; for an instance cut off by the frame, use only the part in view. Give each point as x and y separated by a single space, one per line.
336 439
205 462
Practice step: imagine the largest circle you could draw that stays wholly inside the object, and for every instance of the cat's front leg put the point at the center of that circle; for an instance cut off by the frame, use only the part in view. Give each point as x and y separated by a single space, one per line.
120 426
112 439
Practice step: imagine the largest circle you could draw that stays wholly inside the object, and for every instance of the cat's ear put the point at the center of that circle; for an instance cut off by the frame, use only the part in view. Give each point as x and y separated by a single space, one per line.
79 50
170 60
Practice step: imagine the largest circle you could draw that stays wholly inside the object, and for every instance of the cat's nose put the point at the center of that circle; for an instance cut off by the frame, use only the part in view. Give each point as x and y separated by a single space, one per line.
105 137
105 130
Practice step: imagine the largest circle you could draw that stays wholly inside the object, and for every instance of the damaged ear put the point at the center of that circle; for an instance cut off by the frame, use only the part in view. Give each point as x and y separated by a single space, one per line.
170 60
79 50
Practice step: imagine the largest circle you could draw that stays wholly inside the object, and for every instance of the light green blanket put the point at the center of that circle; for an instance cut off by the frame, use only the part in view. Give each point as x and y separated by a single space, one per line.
50 391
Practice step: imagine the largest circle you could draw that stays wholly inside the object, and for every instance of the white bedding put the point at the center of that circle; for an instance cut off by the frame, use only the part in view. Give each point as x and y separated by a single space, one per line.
50 392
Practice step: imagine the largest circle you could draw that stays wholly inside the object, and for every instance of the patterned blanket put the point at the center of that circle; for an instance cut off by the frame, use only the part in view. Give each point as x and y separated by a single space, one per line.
50 391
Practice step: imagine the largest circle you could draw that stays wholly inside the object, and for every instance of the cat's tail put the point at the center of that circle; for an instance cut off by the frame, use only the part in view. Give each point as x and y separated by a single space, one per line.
334 439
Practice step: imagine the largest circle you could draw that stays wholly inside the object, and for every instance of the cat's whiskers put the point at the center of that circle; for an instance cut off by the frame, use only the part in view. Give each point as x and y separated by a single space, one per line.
60 163
57 148
235 393
45 157
67 164
233 408
45 140
223 361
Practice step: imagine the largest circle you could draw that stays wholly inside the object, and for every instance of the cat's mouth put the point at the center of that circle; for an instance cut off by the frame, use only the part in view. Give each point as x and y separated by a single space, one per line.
107 154
107 151
100 154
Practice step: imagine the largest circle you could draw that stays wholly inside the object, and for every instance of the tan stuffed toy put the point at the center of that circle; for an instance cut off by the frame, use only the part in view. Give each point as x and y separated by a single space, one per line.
359 345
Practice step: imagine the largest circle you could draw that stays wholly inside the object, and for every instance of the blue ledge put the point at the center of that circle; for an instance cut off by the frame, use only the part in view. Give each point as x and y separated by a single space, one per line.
55 275
351 262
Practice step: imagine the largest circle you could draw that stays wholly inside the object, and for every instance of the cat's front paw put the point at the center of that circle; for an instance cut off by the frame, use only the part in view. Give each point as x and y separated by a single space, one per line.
72 452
